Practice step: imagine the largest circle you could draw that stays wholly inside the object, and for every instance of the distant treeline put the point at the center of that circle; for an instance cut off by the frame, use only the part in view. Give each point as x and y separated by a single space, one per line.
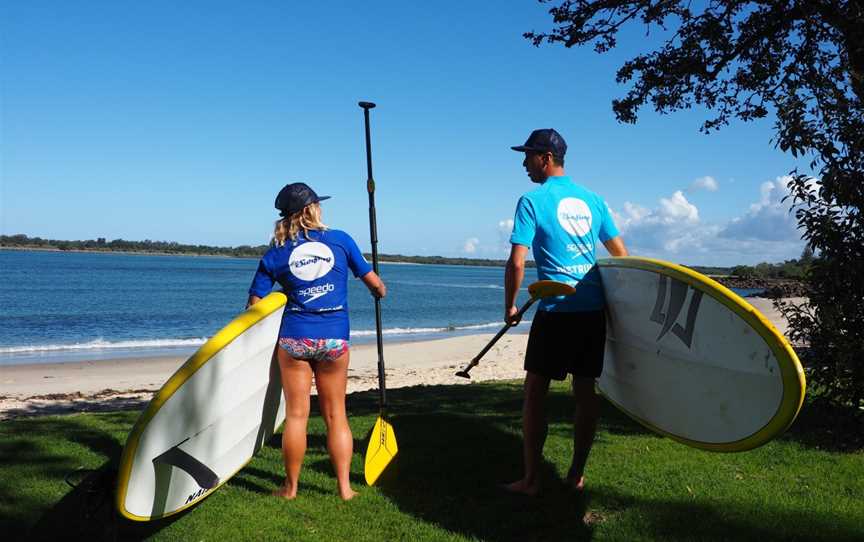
790 269
244 251
441 260
122 245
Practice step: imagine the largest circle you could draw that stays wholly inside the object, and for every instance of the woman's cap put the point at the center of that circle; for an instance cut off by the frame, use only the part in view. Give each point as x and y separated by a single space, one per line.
294 197
544 140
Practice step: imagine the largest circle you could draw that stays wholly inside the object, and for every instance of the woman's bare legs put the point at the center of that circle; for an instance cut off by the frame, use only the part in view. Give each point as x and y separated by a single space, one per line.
296 384
331 378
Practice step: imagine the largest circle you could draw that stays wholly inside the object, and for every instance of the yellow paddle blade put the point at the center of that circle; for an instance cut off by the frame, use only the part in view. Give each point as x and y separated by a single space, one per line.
381 451
549 288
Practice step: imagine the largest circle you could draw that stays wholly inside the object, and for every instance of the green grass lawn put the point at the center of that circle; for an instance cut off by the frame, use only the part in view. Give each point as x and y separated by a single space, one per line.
456 443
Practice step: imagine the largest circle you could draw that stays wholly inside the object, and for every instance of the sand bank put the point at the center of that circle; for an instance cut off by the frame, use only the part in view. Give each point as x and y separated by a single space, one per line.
54 388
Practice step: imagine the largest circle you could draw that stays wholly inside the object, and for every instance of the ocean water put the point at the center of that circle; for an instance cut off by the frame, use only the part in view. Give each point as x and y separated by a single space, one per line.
57 306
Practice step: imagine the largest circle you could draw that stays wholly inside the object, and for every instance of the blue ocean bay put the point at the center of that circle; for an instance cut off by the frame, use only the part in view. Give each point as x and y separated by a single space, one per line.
71 306
68 306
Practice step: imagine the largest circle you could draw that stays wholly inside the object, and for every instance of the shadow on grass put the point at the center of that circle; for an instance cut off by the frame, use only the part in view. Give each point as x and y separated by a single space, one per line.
448 472
457 444
43 447
503 400
659 519
83 405
39 449
823 425
88 512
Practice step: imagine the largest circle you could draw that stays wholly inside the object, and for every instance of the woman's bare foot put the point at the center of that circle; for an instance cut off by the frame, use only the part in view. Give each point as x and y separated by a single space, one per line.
286 491
348 494
522 487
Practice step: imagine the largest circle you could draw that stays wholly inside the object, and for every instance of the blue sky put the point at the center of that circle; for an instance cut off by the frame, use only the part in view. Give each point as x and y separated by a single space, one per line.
181 121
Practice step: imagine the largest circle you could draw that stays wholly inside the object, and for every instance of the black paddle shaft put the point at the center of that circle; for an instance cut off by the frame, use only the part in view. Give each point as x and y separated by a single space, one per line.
474 362
373 235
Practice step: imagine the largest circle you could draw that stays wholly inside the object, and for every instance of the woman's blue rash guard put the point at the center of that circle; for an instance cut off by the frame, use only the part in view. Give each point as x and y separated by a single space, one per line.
314 275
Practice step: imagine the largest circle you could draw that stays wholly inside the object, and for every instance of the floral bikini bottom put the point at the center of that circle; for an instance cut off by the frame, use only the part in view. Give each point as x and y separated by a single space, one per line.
314 349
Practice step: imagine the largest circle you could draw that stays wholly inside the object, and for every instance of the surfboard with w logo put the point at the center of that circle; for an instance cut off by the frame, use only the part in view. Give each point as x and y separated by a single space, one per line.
691 360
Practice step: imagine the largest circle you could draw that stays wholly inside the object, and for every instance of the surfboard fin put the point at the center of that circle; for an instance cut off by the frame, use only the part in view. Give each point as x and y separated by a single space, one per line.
202 474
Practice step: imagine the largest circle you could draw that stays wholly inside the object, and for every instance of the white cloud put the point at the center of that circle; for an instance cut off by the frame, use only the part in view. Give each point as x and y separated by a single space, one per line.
768 219
672 211
704 183
470 246
673 230
678 209
505 228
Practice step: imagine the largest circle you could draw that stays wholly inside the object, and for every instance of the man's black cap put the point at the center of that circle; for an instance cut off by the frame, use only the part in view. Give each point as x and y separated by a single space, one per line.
293 197
544 140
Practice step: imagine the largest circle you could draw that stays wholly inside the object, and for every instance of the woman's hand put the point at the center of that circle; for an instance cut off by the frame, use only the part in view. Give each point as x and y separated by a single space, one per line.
375 285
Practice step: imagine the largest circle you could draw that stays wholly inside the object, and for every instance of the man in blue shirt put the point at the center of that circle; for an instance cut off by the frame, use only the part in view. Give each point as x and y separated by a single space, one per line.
562 222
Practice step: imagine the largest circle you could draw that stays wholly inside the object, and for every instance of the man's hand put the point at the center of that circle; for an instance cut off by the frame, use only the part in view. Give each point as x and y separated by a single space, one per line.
512 316
514 272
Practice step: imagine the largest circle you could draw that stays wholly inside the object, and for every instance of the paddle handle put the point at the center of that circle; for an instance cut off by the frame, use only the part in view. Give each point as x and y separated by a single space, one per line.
474 362
373 237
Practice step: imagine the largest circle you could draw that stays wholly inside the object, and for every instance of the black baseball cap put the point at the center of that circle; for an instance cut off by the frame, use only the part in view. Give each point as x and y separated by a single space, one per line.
544 140
294 197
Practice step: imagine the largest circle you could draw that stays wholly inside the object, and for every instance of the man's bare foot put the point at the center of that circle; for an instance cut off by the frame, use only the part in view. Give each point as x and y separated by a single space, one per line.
576 484
286 492
522 487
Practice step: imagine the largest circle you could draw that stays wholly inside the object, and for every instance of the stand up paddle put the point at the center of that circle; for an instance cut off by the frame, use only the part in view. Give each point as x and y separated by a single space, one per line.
538 290
382 442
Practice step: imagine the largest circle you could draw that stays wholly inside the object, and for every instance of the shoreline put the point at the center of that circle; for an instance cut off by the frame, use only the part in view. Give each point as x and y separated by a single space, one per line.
121 384
129 383
97 354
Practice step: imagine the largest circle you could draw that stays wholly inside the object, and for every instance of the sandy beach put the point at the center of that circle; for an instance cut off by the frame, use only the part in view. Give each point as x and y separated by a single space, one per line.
104 385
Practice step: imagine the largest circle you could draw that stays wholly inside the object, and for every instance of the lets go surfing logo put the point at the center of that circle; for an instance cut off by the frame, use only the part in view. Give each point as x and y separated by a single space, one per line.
311 261
574 216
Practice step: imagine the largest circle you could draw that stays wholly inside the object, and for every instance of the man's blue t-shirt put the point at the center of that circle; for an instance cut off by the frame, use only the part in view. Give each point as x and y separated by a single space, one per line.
563 222
314 275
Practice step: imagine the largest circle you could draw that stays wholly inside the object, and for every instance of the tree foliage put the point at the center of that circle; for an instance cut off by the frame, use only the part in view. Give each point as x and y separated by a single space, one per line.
800 61
790 269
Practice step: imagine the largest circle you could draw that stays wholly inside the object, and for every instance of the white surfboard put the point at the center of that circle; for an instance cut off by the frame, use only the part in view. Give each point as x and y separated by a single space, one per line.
208 420
691 360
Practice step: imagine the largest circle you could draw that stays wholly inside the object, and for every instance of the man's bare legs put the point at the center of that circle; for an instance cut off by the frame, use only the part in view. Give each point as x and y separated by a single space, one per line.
585 416
296 384
534 430
331 379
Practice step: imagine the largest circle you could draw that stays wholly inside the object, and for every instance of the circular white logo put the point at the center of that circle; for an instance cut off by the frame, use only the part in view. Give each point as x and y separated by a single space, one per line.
574 216
311 261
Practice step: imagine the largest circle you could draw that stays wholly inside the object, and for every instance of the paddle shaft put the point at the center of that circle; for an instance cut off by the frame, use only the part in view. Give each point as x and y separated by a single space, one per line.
373 236
476 360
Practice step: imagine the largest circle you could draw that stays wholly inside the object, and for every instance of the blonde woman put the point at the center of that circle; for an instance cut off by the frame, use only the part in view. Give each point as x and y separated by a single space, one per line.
311 262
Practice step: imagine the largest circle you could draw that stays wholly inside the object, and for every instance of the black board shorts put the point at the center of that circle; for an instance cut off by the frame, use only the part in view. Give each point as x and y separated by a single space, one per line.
566 342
